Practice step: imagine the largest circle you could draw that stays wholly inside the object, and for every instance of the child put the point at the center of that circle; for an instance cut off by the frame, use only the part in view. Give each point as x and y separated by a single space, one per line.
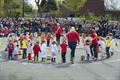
87 49
31 37
102 47
29 50
15 52
54 51
43 51
36 49
43 37
10 48
108 42
63 51
48 37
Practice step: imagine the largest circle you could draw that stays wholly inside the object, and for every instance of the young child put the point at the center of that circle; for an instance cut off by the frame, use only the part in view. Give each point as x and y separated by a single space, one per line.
63 46
43 37
48 37
29 50
15 52
108 42
10 48
102 47
87 49
54 51
36 49
43 51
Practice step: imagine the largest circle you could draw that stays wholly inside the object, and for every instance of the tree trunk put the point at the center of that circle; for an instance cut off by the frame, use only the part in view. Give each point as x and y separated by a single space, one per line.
39 12
6 8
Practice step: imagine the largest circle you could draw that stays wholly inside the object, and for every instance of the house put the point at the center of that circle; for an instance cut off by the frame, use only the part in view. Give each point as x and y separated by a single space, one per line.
95 6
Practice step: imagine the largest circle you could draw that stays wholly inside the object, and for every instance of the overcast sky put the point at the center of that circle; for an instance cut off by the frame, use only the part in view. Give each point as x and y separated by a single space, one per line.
107 2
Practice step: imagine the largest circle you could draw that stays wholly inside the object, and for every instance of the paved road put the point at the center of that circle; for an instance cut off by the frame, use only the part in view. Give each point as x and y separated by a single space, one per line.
100 70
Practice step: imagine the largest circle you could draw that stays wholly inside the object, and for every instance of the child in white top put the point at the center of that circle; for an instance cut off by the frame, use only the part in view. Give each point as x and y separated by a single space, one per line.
44 51
15 52
29 50
87 49
54 51
102 47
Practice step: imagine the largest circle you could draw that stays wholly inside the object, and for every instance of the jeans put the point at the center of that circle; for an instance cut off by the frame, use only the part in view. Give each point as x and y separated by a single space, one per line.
94 51
24 53
10 56
107 52
72 46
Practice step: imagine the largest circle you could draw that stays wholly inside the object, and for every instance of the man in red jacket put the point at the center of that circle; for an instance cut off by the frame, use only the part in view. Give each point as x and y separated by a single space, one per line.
58 32
36 49
73 38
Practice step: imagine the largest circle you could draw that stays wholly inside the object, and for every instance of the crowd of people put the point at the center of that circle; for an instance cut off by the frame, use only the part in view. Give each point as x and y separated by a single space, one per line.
21 25
49 36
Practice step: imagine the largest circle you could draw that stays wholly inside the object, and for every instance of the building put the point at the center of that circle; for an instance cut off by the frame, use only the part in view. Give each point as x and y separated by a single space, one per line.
95 6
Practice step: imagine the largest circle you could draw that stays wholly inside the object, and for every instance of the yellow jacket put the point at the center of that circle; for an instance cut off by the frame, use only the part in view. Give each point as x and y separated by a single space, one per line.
108 43
24 44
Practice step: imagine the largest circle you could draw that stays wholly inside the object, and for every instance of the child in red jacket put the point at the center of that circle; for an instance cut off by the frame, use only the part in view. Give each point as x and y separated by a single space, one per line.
36 49
10 48
63 46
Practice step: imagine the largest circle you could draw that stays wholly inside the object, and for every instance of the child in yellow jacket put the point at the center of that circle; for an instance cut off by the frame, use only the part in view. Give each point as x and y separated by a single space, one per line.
108 43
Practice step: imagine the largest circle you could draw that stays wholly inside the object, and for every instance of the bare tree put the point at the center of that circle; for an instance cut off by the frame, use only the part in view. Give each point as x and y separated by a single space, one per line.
40 4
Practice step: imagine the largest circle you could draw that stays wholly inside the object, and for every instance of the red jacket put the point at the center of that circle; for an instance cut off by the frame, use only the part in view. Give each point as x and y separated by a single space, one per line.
63 47
10 47
58 30
36 49
48 37
73 36
94 38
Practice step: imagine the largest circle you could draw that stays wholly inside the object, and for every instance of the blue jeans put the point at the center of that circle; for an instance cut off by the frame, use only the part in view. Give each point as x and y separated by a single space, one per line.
24 53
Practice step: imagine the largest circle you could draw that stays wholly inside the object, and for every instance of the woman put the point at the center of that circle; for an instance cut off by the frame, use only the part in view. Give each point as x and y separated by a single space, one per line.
94 44
73 38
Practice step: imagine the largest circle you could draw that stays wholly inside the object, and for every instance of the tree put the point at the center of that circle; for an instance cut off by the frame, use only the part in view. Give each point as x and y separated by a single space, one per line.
13 8
28 8
40 4
48 7
1 7
73 5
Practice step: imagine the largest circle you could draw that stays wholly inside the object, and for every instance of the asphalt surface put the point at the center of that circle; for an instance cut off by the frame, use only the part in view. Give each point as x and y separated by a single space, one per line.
106 69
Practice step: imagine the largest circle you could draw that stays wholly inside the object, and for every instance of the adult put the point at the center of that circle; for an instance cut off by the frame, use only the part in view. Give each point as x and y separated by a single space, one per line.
58 32
73 38
94 44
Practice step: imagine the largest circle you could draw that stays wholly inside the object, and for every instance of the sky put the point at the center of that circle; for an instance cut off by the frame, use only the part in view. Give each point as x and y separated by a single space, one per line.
117 3
33 3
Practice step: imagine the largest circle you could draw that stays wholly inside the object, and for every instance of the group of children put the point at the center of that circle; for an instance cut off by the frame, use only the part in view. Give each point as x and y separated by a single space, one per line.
105 48
48 48
31 48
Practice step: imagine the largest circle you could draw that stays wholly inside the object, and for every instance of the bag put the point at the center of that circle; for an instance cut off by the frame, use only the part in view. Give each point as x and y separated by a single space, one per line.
82 58
29 57
48 57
